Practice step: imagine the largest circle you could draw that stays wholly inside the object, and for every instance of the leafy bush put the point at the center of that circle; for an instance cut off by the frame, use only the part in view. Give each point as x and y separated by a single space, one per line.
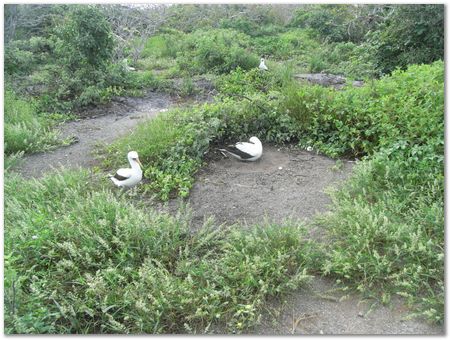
358 121
82 50
347 59
84 261
17 61
328 20
219 51
84 38
386 231
413 34
164 45
294 43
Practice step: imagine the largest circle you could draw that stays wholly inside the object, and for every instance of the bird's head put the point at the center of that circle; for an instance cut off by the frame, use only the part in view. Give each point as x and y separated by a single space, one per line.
262 60
255 140
133 156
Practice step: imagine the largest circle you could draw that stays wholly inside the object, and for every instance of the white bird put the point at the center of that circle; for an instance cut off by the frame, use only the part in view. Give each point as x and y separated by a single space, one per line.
246 151
128 178
128 68
263 66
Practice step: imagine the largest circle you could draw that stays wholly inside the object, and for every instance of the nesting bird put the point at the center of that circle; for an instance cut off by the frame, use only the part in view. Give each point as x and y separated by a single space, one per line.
262 66
129 177
245 151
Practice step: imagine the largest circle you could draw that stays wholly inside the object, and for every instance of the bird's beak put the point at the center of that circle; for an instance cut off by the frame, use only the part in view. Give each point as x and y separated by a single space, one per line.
139 162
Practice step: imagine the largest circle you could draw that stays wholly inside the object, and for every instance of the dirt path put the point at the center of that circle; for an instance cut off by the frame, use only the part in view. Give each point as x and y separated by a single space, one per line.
322 309
284 183
101 125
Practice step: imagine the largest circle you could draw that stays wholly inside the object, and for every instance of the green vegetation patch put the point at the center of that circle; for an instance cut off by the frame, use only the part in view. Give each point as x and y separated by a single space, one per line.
80 260
25 130
387 227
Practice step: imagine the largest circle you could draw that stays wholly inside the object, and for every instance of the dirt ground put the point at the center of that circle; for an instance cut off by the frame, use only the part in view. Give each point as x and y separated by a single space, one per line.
284 183
96 126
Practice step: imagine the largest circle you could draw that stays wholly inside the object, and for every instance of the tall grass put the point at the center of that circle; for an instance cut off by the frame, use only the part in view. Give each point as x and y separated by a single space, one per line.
78 259
25 130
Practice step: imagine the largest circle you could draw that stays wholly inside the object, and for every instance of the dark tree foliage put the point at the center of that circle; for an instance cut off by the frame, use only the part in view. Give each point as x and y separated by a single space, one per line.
25 21
413 34
339 23
85 37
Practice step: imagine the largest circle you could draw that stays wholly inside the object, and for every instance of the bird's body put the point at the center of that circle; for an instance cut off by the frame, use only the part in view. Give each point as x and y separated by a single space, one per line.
129 177
262 65
245 151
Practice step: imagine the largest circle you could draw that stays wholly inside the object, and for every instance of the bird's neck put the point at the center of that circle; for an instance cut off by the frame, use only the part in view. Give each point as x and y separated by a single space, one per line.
135 166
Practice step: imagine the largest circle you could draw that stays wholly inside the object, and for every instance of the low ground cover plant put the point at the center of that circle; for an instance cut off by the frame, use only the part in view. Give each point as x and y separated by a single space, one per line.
83 260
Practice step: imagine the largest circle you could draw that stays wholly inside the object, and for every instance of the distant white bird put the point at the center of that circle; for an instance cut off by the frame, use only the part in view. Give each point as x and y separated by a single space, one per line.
128 68
128 178
263 66
246 151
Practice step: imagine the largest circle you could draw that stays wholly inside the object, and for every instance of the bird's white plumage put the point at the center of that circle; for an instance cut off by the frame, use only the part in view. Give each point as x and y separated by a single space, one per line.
246 147
129 177
127 173
262 65
249 151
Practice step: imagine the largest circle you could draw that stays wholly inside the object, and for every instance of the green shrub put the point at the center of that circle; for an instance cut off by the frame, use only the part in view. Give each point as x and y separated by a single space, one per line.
358 121
18 61
84 39
413 34
345 58
165 45
219 51
386 228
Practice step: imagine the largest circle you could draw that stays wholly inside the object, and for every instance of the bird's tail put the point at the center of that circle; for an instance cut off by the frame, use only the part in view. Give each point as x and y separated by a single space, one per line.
115 180
223 152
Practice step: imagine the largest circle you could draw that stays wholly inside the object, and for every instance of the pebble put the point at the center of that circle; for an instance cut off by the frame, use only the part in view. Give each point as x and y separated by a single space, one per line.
361 314
280 168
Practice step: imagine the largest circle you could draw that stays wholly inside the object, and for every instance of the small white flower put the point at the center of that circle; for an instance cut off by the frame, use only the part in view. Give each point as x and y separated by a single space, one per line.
34 237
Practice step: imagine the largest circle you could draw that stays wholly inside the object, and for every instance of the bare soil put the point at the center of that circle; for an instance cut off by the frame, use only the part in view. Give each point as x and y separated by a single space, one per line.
100 125
286 183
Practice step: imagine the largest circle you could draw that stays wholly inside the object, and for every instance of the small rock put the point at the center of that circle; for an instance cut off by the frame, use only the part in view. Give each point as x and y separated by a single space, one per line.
361 314
280 168
321 331
309 148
